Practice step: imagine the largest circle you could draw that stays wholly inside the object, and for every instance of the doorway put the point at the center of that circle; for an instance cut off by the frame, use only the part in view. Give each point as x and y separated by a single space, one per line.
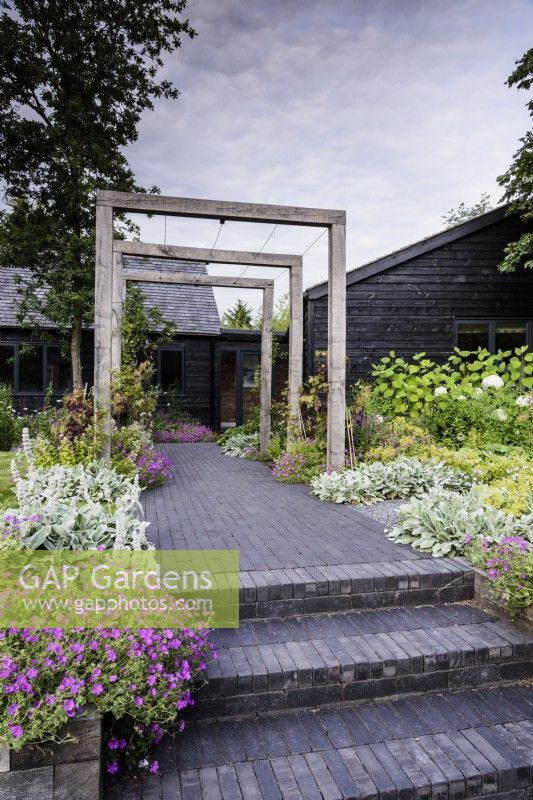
238 392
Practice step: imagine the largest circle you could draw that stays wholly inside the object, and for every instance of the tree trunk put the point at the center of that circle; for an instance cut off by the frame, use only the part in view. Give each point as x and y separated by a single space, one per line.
75 354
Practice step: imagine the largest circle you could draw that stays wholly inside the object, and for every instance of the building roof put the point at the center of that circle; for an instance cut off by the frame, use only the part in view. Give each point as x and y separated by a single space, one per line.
411 251
192 309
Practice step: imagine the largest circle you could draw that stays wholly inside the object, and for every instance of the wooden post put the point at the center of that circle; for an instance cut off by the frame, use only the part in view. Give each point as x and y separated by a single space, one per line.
119 289
336 344
103 324
334 220
266 368
295 343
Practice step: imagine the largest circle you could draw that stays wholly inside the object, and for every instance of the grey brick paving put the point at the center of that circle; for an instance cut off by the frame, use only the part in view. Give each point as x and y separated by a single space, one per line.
218 502
391 749
331 613
309 660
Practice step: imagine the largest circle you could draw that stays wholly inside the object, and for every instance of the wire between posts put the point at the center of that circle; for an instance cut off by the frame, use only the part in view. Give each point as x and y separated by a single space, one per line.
269 237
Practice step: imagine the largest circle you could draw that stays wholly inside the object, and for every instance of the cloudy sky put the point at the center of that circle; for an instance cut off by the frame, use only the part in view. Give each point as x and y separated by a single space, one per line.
396 110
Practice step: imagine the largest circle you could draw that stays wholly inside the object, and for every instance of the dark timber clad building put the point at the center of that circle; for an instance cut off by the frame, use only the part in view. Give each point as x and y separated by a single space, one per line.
210 367
437 293
443 291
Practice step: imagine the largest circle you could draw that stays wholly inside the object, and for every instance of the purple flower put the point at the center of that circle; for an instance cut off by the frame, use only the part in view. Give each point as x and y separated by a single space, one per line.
154 767
69 707
112 768
97 689
16 731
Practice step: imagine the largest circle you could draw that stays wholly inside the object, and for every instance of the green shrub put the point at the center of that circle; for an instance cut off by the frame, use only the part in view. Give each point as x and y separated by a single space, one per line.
396 438
133 393
438 522
401 478
409 387
480 416
504 481
241 445
229 433
71 438
301 462
9 428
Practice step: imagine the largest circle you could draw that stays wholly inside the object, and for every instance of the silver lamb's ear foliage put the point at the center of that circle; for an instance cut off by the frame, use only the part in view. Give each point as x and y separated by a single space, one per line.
240 445
438 522
398 479
80 508
26 446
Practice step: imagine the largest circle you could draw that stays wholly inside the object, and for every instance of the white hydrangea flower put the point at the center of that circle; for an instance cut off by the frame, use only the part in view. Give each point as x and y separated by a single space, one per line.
524 400
440 390
492 382
461 397
478 391
500 414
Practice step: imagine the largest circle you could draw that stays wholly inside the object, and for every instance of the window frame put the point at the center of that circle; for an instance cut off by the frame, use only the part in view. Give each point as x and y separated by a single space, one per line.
44 347
180 348
492 322
14 346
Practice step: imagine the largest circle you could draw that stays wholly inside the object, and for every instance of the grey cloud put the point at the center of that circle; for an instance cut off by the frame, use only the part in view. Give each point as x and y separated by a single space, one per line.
396 111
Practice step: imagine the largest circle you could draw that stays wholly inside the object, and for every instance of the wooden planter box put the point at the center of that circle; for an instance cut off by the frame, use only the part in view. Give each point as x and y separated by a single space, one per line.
70 771
523 620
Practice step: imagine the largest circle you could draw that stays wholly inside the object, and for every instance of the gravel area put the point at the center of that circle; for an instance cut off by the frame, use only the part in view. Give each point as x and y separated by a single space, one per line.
385 512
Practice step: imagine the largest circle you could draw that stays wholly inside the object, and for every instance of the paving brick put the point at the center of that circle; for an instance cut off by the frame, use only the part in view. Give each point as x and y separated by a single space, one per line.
332 612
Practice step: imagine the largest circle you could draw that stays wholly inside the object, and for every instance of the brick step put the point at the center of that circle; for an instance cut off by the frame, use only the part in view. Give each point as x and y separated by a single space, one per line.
313 660
312 590
462 744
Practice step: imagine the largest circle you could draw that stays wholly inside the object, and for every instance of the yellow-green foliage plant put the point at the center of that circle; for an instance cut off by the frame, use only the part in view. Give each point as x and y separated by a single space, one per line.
399 437
504 480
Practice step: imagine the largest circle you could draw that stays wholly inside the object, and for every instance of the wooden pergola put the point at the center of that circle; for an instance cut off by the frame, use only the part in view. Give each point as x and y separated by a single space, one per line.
111 278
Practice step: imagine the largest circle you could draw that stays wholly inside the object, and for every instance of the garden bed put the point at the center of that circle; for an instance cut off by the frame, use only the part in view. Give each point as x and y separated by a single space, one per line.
56 771
523 620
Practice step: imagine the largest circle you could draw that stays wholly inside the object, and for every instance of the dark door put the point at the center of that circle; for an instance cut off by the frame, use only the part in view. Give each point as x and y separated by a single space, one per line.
238 368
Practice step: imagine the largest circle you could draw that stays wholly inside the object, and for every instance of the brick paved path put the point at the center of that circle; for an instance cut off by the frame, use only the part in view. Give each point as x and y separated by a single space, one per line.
218 502
360 670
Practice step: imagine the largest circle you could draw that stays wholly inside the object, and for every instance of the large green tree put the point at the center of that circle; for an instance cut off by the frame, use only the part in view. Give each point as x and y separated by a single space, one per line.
75 79
518 180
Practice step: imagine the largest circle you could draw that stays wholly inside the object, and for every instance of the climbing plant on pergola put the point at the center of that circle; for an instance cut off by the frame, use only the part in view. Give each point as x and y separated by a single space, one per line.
110 283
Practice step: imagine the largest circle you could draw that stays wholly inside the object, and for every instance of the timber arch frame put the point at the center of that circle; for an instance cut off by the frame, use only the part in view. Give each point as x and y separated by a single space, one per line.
110 279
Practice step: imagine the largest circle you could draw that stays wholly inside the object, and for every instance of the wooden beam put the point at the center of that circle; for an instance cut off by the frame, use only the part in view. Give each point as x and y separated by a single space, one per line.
119 289
336 345
219 209
188 279
295 344
206 256
103 324
266 369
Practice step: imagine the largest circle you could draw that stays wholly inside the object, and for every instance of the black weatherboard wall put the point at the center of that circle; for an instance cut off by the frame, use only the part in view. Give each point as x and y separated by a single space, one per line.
412 300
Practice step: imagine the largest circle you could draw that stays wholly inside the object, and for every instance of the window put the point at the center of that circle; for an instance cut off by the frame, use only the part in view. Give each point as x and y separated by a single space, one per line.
31 368
493 335
509 335
7 364
170 369
471 335
57 369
